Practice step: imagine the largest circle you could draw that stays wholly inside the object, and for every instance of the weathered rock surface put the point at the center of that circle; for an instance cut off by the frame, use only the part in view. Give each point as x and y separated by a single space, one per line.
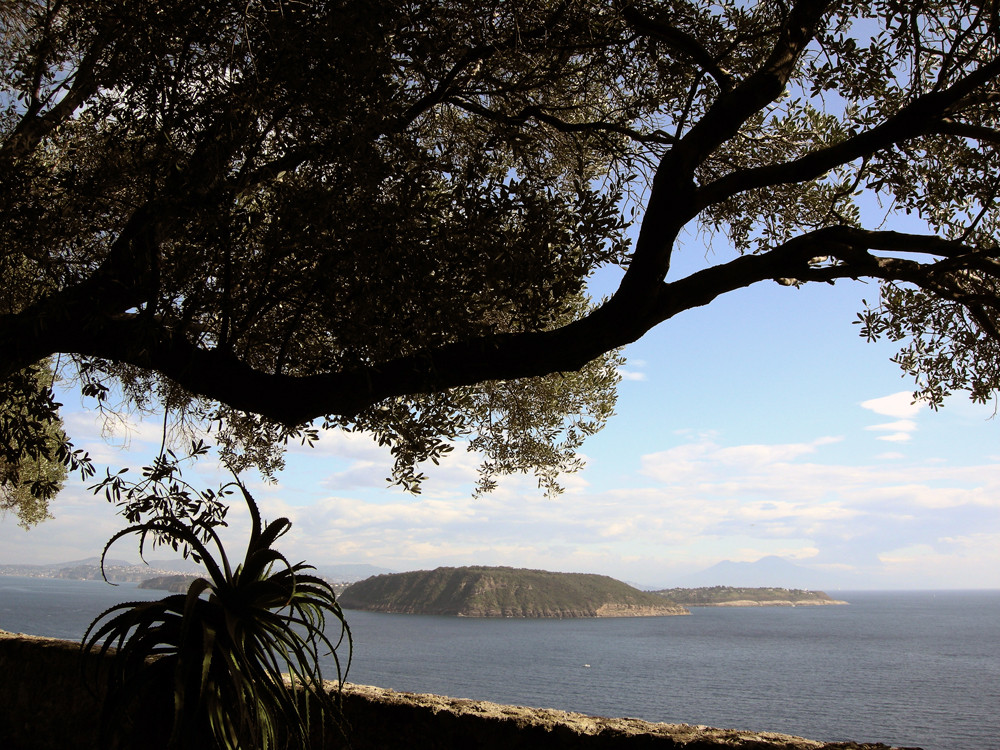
433 722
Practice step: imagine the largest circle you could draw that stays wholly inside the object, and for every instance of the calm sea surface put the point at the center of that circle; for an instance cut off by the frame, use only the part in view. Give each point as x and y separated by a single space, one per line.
904 668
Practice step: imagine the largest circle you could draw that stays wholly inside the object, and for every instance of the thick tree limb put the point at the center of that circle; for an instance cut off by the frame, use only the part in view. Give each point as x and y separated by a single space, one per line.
673 196
292 400
730 110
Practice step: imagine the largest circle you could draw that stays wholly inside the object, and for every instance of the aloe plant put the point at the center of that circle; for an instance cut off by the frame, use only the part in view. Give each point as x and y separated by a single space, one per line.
239 651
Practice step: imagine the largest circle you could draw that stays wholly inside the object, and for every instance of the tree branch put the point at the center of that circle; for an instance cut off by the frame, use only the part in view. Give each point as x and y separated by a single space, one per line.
563 126
680 41
672 198
924 115
34 127
121 283
979 133
729 111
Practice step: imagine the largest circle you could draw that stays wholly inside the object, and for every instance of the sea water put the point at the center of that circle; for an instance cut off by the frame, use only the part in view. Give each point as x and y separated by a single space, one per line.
904 668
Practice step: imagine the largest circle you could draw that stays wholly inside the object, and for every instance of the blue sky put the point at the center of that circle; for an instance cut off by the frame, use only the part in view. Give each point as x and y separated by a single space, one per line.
759 425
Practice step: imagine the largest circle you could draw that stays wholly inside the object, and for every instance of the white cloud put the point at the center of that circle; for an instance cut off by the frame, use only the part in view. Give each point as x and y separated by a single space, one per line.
755 455
896 437
343 444
360 474
704 501
699 459
899 405
631 375
689 506
82 525
971 560
902 425
900 430
906 554
633 370
108 440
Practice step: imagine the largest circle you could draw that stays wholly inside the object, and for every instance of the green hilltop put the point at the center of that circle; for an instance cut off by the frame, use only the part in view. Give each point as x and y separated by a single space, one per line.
479 591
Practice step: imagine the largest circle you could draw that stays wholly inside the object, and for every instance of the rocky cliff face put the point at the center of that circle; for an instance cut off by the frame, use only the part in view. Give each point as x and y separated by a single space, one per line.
504 592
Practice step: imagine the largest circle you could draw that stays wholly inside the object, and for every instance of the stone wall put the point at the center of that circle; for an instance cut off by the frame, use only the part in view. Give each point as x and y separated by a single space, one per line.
45 705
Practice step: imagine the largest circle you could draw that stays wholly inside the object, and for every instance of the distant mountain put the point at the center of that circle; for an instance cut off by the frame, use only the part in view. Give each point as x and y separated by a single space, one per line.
115 570
504 592
90 561
767 571
349 572
89 568
339 575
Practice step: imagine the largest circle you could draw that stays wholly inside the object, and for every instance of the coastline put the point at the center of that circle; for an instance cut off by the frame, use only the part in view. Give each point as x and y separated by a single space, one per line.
770 603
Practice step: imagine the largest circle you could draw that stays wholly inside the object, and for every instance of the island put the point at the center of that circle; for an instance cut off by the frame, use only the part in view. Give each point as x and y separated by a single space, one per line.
479 591
735 596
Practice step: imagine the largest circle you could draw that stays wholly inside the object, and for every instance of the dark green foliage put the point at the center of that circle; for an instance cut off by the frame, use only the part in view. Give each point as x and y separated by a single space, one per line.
267 216
35 453
271 182
220 649
501 592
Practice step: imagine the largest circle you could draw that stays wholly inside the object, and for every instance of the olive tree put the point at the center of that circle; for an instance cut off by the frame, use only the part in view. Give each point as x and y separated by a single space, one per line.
279 214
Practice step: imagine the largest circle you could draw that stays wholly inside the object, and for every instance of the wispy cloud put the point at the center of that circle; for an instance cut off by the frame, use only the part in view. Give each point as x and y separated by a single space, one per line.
899 405
631 374
698 500
900 430
703 500
633 370
902 425
896 437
